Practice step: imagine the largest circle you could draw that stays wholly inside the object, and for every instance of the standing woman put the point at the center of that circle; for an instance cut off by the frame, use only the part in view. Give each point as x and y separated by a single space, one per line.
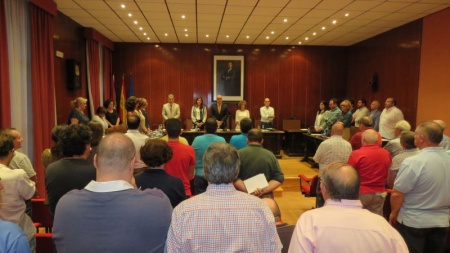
77 115
319 124
112 116
141 103
241 113
198 113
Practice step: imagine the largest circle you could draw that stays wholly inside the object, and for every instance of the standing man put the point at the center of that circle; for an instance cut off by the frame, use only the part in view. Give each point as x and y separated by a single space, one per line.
360 112
445 143
219 111
73 171
409 149
342 225
222 219
256 160
331 116
388 118
200 144
109 215
182 164
229 76
364 124
334 149
267 114
16 188
393 146
375 115
420 199
138 139
144 112
171 110
372 163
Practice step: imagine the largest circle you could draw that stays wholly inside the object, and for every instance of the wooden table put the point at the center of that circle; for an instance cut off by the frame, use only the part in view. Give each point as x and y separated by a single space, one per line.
312 143
294 142
272 139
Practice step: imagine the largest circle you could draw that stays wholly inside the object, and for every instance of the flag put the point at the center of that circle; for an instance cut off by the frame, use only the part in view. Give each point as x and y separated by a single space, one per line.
131 88
122 110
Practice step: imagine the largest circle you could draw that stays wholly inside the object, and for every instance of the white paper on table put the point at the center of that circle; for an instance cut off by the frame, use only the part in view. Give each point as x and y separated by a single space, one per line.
258 181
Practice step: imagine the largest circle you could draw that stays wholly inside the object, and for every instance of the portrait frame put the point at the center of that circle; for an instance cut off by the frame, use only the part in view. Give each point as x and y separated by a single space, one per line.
228 82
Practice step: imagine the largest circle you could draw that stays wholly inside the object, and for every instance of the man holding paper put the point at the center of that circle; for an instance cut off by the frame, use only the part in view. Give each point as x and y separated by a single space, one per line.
256 160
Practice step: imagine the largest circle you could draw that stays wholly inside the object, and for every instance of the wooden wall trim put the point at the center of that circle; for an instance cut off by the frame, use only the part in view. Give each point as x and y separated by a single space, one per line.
47 5
91 33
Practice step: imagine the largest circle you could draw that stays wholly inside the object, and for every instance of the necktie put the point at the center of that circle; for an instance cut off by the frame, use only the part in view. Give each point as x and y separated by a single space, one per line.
218 108
170 109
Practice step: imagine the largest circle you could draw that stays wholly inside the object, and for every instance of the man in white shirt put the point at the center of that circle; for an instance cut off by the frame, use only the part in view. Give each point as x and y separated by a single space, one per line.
267 114
17 187
334 149
171 110
360 112
342 225
138 140
388 118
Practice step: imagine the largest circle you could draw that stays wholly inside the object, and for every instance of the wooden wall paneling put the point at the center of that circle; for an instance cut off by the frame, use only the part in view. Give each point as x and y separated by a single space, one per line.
395 55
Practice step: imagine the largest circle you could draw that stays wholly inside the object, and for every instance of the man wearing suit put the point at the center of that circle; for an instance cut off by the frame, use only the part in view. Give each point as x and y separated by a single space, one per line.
171 109
230 87
219 111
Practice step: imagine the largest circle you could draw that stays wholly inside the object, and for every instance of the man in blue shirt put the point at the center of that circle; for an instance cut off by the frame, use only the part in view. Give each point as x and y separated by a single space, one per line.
240 141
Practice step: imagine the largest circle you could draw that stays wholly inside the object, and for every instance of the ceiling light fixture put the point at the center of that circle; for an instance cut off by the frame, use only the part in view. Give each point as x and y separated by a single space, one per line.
306 38
299 42
228 36
123 6
285 20
185 29
148 38
248 37
145 34
314 33
334 22
183 16
140 28
323 28
267 37
186 35
272 32
207 35
287 37
130 15
135 22
346 14
166 34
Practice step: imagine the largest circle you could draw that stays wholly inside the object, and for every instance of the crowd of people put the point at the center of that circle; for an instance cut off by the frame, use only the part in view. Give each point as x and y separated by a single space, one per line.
134 192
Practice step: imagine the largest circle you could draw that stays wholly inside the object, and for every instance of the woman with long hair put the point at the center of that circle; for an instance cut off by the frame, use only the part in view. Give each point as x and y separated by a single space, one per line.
319 124
112 116
241 113
199 113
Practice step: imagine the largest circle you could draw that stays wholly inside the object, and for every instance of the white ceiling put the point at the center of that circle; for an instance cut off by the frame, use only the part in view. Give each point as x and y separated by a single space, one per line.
231 21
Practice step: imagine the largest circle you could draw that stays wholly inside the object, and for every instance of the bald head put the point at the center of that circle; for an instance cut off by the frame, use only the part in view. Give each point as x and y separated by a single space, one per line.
365 122
369 136
341 181
337 129
115 153
272 204
441 123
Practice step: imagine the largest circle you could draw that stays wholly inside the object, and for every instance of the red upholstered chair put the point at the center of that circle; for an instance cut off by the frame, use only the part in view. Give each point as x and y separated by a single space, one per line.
44 243
41 214
308 185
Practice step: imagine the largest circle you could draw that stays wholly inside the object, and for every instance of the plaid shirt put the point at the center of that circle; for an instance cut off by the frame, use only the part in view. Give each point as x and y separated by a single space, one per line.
223 220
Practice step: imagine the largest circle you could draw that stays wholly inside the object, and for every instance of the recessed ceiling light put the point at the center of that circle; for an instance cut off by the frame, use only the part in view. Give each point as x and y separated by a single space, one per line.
185 29
314 33
166 34
140 28
228 36
123 6
248 37
207 35
267 37
272 32
287 38
183 16
148 38
346 14
285 20
145 34
334 22
299 42
186 35
135 22
306 38
323 28
130 15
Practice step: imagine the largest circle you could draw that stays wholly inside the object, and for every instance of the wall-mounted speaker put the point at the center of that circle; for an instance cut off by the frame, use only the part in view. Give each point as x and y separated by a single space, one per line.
73 74
374 82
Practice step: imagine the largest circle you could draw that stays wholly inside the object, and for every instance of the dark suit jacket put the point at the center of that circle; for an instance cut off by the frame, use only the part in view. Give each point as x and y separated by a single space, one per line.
220 116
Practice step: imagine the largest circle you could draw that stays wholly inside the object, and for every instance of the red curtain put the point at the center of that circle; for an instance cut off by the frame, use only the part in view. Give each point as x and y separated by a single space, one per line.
43 83
94 72
5 103
109 90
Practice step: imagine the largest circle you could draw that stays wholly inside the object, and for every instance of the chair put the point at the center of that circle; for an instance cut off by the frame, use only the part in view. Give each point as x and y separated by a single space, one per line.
41 215
257 123
291 124
309 187
44 243
188 124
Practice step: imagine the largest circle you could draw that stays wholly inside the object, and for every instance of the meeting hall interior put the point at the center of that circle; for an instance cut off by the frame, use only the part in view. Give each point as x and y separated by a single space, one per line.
295 52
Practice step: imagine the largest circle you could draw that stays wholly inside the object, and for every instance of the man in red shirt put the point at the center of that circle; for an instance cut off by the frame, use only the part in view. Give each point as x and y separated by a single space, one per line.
364 124
372 163
182 164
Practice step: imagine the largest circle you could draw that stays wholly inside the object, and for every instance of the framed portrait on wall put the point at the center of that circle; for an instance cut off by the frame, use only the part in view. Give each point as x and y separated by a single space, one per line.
228 77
